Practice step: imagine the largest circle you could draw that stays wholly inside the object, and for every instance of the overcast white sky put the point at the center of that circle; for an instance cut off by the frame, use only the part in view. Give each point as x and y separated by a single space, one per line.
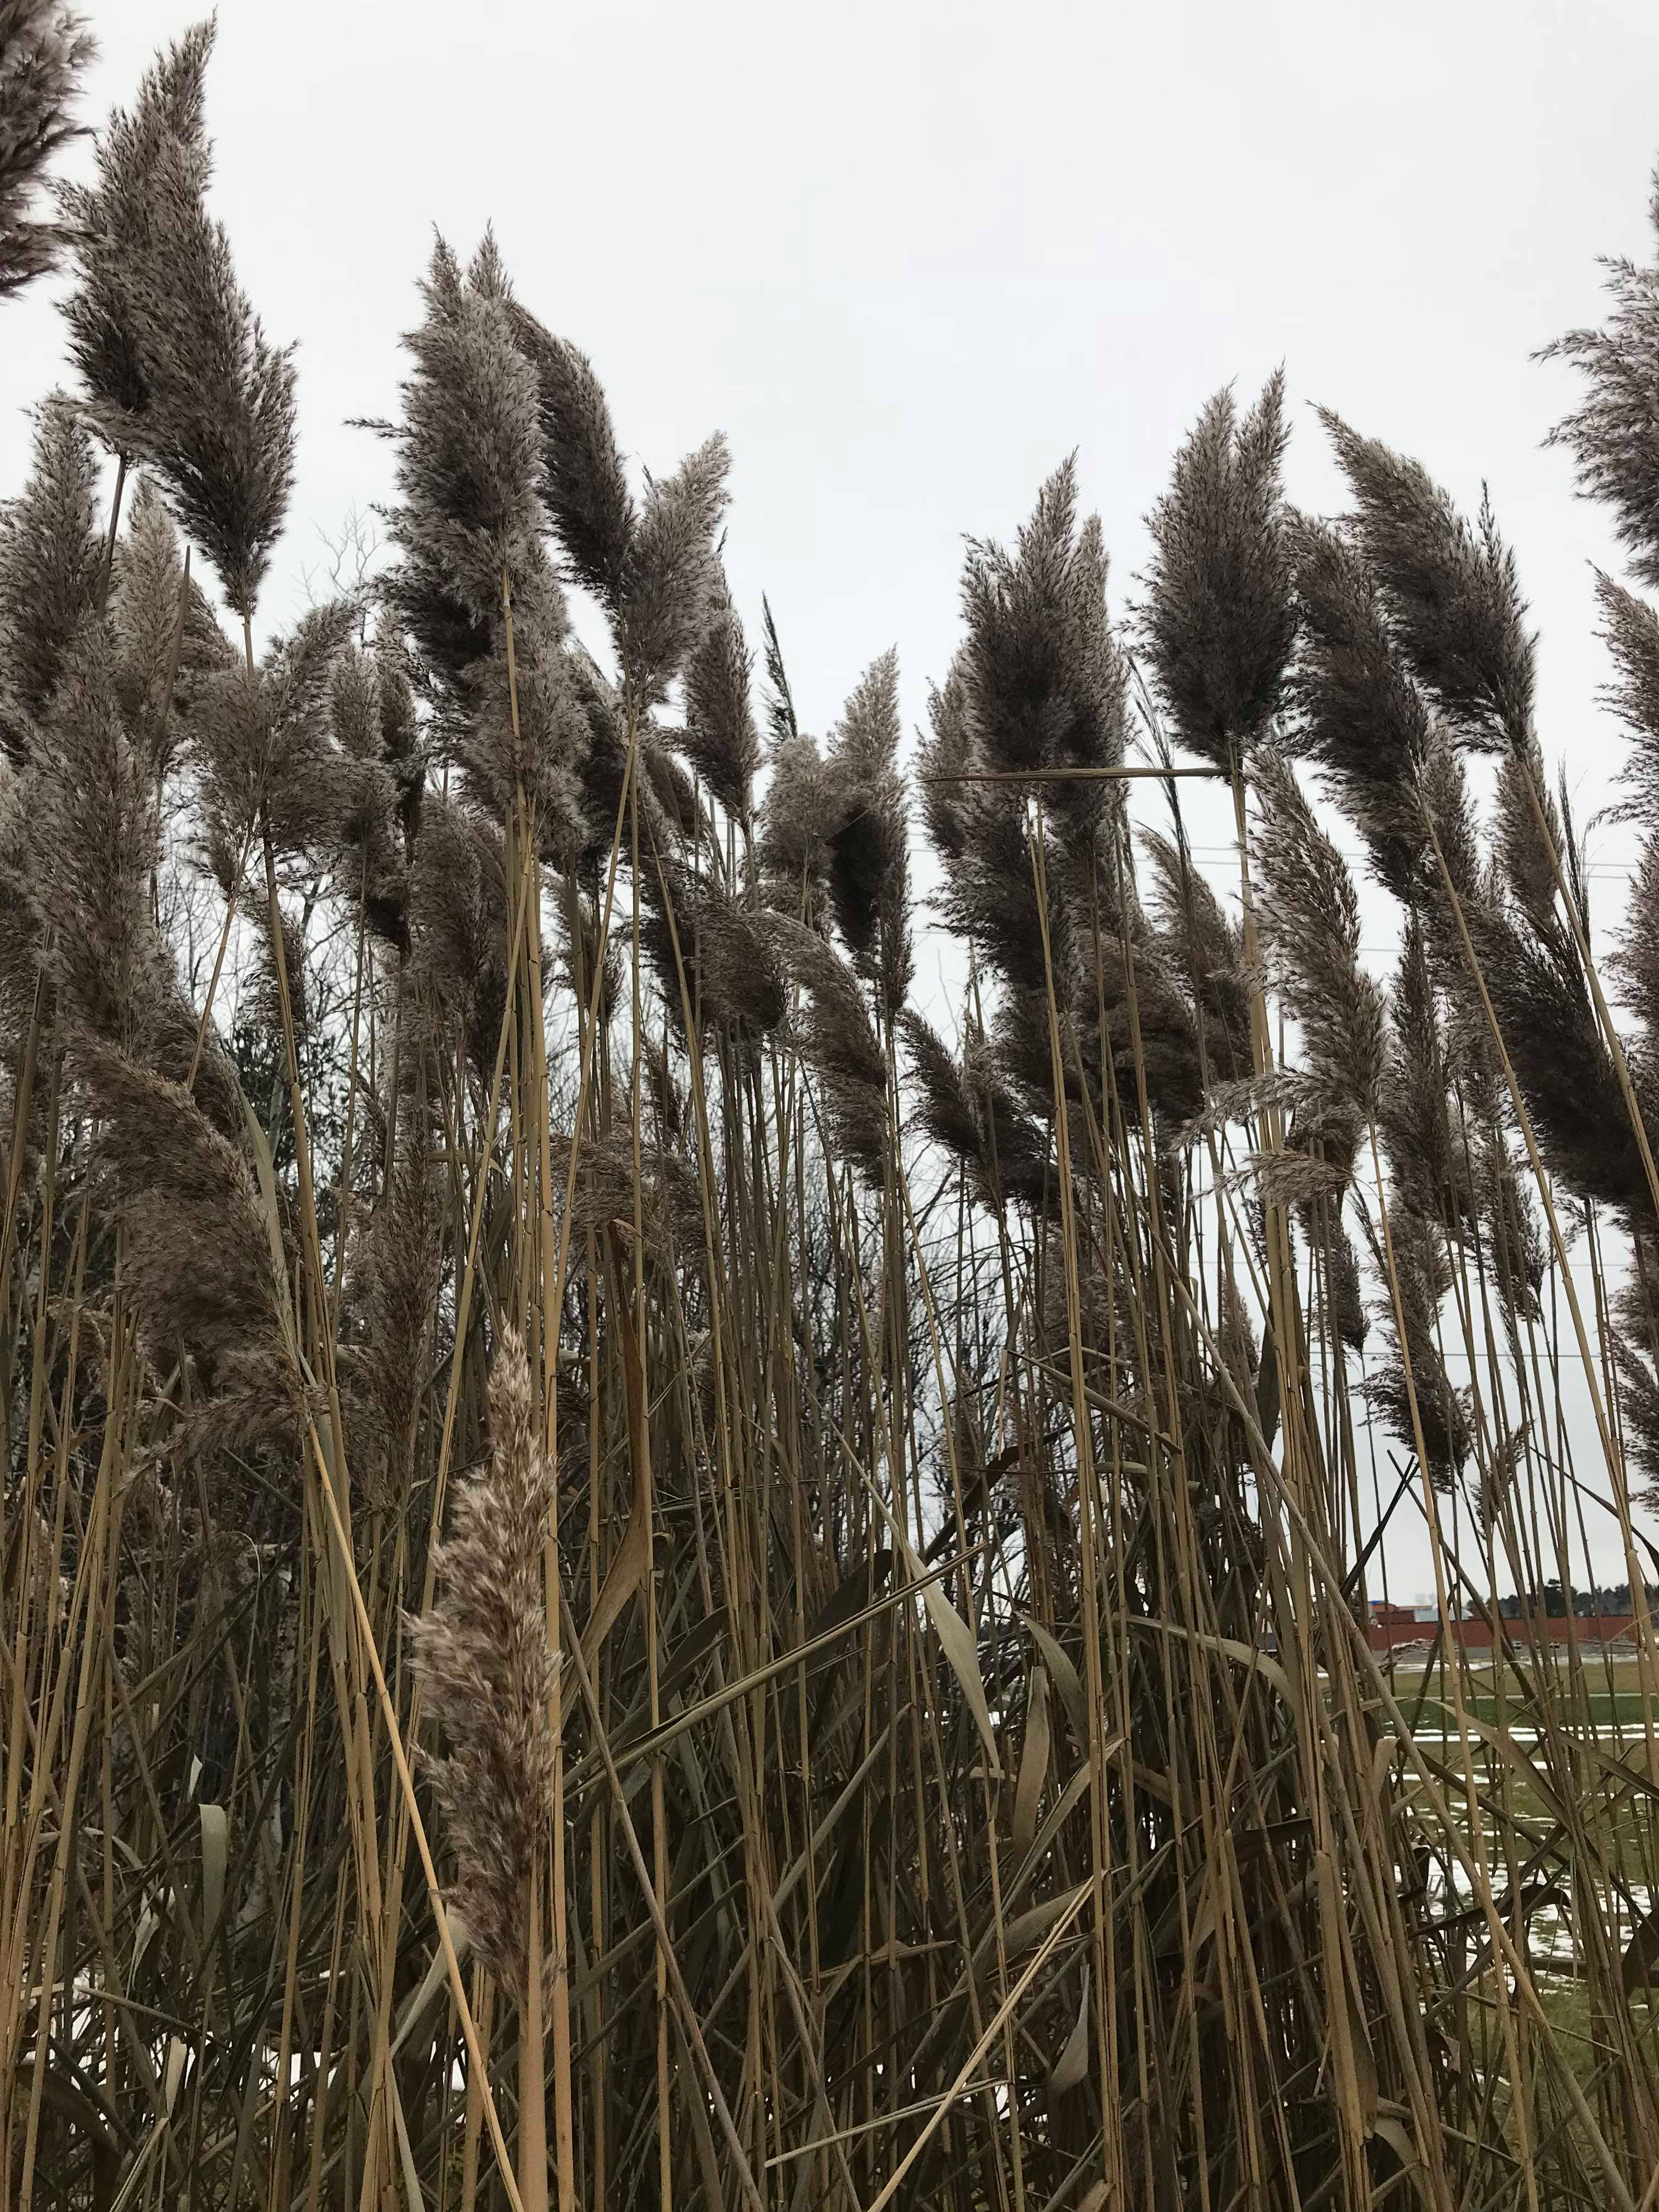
907 256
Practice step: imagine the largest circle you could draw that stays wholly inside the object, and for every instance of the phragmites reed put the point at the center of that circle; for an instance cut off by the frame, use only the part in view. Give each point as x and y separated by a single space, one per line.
1450 588
468 454
1043 683
483 1653
1630 629
868 837
1310 932
841 1044
178 369
1360 715
1206 951
793 846
49 564
1614 437
44 47
1410 1390
719 738
199 1260
652 564
902 1712
1218 622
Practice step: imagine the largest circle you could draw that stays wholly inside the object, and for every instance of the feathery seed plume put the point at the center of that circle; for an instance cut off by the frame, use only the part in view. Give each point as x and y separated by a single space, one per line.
1218 623
1423 1277
1613 438
1361 717
178 367
583 480
44 48
673 580
1206 951
1042 678
868 837
794 852
482 1654
653 566
49 563
944 757
841 1046
1310 928
468 456
726 951
781 718
197 1260
152 652
1451 590
721 741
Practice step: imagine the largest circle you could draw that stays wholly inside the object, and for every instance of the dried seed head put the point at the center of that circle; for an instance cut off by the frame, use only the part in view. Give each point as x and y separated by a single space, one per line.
177 369
197 1258
49 563
794 852
1452 590
96 838
945 757
721 741
146 590
1310 929
654 567
971 1110
583 479
1414 1108
868 837
1363 719
1421 1277
1042 680
725 950
44 48
672 581
1218 623
841 1046
469 457
1204 949
1613 438
546 757
482 1652
458 927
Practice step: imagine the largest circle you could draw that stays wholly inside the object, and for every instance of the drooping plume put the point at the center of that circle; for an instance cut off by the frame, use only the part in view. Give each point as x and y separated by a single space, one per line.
1614 437
1206 951
1450 588
1310 929
1630 628
652 565
178 370
1361 717
842 1047
44 48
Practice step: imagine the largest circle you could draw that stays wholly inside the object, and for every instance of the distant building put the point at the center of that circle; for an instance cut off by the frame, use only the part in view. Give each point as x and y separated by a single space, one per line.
1408 1627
